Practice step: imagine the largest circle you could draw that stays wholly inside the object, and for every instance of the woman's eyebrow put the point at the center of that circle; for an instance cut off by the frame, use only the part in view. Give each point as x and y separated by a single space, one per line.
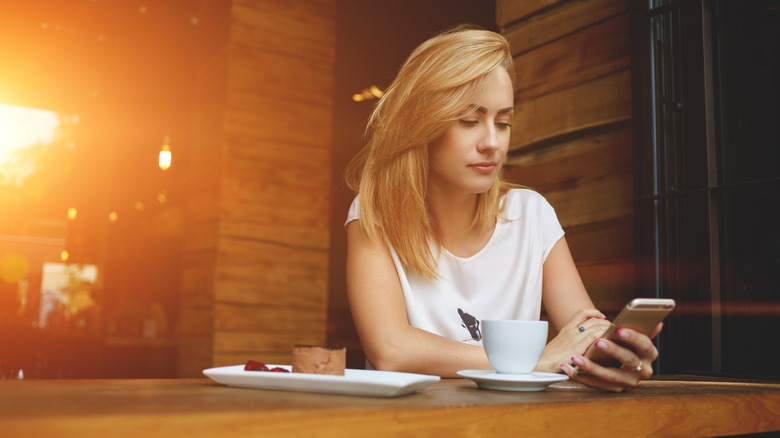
482 109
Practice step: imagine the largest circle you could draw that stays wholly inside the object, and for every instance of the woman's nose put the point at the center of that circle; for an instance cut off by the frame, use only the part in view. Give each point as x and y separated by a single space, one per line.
489 140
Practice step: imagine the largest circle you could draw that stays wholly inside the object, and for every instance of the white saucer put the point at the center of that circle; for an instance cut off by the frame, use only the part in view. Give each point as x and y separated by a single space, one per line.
489 379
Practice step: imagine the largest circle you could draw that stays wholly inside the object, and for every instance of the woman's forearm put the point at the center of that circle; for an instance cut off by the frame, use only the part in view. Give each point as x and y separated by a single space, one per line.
416 351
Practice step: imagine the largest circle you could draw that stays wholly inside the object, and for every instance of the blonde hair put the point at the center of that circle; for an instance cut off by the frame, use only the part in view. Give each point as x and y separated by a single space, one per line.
436 84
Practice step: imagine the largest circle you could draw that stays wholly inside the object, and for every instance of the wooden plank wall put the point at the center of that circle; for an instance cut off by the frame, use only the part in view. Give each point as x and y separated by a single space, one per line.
257 239
571 137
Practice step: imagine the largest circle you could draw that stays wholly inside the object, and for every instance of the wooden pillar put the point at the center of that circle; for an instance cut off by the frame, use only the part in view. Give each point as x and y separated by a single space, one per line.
255 271
571 137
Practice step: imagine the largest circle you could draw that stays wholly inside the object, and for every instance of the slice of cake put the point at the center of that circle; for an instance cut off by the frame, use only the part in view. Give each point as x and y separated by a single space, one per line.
314 359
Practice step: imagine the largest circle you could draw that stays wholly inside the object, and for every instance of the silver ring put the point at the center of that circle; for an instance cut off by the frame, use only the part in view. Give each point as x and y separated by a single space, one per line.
638 367
582 329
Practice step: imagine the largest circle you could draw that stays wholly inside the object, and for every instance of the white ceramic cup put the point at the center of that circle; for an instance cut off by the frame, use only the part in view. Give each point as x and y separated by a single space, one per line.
514 347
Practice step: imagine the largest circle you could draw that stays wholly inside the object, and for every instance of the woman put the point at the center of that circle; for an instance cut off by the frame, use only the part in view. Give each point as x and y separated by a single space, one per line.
437 241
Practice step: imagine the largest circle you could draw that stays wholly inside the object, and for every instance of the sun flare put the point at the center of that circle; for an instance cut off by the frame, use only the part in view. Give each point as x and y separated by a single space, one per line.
21 127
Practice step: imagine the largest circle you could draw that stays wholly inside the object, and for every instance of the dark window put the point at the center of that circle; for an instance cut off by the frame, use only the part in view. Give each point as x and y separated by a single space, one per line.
707 202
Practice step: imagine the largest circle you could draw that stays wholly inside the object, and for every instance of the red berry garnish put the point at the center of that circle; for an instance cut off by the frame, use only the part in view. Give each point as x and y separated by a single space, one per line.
255 366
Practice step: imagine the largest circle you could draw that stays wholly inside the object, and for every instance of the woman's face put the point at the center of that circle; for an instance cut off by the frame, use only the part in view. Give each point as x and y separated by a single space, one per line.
469 155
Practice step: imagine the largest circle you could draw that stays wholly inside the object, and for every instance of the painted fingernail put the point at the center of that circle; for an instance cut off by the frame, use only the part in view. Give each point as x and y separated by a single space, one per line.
623 334
603 316
577 360
601 345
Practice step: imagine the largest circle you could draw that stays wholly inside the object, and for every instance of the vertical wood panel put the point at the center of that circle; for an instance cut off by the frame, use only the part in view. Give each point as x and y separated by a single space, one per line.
550 24
254 272
257 246
571 136
584 106
301 28
602 242
578 58
578 160
509 11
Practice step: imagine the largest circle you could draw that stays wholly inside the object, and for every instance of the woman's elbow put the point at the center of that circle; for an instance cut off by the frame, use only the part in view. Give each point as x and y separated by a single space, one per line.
387 358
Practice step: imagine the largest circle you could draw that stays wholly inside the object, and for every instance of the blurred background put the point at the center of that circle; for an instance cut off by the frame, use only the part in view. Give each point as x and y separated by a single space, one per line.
171 172
91 222
114 134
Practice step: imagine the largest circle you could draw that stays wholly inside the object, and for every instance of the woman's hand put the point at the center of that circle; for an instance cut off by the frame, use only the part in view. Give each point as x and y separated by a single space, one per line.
637 363
573 339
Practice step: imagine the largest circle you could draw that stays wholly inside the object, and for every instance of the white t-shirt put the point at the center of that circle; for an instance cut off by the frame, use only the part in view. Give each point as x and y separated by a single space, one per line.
501 281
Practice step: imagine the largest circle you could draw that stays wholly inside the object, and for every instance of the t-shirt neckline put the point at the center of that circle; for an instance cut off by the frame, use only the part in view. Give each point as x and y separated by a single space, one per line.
478 253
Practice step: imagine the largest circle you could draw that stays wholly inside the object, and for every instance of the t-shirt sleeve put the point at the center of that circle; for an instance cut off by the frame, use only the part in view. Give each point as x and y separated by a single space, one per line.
354 211
551 228
533 210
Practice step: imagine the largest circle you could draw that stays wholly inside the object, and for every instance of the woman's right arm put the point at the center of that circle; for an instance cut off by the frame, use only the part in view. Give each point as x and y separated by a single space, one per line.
378 309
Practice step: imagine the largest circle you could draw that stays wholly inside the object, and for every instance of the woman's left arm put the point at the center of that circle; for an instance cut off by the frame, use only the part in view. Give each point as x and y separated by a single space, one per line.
579 324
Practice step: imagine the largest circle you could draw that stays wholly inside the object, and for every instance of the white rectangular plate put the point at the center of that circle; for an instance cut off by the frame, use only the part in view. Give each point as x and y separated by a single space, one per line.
353 382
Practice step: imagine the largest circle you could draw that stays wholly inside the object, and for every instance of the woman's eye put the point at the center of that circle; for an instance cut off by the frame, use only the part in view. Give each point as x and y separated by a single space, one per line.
503 125
469 122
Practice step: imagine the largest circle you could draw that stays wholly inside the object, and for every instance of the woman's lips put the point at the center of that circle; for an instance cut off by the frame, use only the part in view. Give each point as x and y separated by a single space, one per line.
484 167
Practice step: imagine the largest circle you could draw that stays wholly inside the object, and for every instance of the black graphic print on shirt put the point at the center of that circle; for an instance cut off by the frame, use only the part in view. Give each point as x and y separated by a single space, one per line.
471 324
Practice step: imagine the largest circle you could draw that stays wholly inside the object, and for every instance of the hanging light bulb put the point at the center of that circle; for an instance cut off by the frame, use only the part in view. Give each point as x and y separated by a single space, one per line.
165 155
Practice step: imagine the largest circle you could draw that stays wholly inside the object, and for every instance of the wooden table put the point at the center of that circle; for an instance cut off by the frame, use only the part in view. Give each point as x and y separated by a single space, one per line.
453 407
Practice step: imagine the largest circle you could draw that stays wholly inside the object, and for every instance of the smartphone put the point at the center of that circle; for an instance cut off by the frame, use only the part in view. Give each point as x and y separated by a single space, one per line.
640 314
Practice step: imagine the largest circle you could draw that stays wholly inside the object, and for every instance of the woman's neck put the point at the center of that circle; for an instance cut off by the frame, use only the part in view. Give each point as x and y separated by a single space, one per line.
453 215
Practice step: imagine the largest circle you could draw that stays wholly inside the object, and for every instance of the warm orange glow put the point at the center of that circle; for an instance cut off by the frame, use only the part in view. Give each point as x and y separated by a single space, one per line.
113 216
72 213
64 255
